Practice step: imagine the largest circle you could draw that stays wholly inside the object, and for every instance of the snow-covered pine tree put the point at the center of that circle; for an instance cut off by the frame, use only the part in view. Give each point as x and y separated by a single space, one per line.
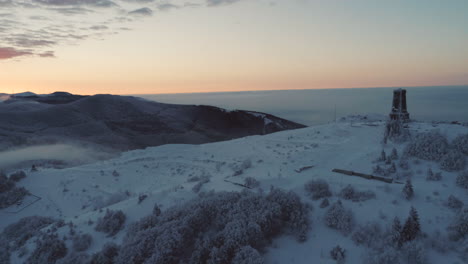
430 173
396 232
383 156
408 191
392 168
394 155
412 228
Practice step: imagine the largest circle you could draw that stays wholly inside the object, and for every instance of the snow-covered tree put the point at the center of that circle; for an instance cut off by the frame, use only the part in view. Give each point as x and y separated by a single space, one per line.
394 154
462 179
431 176
404 163
338 254
454 203
325 203
17 176
247 255
412 228
413 252
217 227
428 146
458 229
251 182
49 249
340 218
461 143
317 189
111 223
349 193
453 160
82 242
107 255
408 191
383 156
368 235
395 232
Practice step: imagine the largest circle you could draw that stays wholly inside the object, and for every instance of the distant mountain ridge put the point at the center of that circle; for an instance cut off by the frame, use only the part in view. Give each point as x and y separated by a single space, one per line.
124 122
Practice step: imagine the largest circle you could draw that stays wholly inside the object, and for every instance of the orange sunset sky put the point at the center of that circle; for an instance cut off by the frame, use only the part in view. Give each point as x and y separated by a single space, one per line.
143 47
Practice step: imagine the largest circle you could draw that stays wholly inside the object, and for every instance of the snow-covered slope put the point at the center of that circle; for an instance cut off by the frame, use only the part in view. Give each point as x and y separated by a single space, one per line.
167 175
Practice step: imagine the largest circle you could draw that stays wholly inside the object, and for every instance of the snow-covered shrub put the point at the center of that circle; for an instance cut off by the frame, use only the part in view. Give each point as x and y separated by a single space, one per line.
349 193
388 256
461 143
379 171
408 191
454 203
5 183
427 146
251 182
82 242
368 235
462 179
111 223
403 163
458 229
247 255
17 176
4 251
413 252
18 233
215 228
197 187
317 189
324 203
107 255
383 156
431 176
340 218
13 196
338 254
76 258
49 249
396 131
156 210
438 242
394 154
453 161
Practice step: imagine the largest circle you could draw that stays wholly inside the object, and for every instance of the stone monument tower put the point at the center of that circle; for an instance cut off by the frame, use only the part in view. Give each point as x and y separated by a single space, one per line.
399 110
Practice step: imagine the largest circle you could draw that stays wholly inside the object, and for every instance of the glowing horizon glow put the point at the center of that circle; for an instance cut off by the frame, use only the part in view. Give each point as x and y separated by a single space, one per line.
254 45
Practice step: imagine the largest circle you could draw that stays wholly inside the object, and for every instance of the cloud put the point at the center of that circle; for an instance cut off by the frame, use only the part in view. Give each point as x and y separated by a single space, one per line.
220 2
95 3
47 54
30 42
5 3
35 27
9 52
167 7
99 27
145 11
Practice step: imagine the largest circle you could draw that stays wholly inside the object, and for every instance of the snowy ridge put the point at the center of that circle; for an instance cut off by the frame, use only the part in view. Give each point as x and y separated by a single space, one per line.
167 174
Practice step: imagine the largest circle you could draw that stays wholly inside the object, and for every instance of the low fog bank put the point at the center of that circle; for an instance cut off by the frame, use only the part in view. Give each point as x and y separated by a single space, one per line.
60 154
312 107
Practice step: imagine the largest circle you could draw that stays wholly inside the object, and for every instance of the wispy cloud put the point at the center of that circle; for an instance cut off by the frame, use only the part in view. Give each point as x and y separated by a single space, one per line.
145 11
36 27
9 52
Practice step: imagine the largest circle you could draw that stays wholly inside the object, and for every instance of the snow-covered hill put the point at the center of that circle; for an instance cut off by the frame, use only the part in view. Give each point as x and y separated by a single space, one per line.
174 174
111 123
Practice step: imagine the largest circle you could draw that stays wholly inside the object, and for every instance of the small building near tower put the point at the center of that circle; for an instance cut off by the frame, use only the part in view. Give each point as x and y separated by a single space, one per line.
399 108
